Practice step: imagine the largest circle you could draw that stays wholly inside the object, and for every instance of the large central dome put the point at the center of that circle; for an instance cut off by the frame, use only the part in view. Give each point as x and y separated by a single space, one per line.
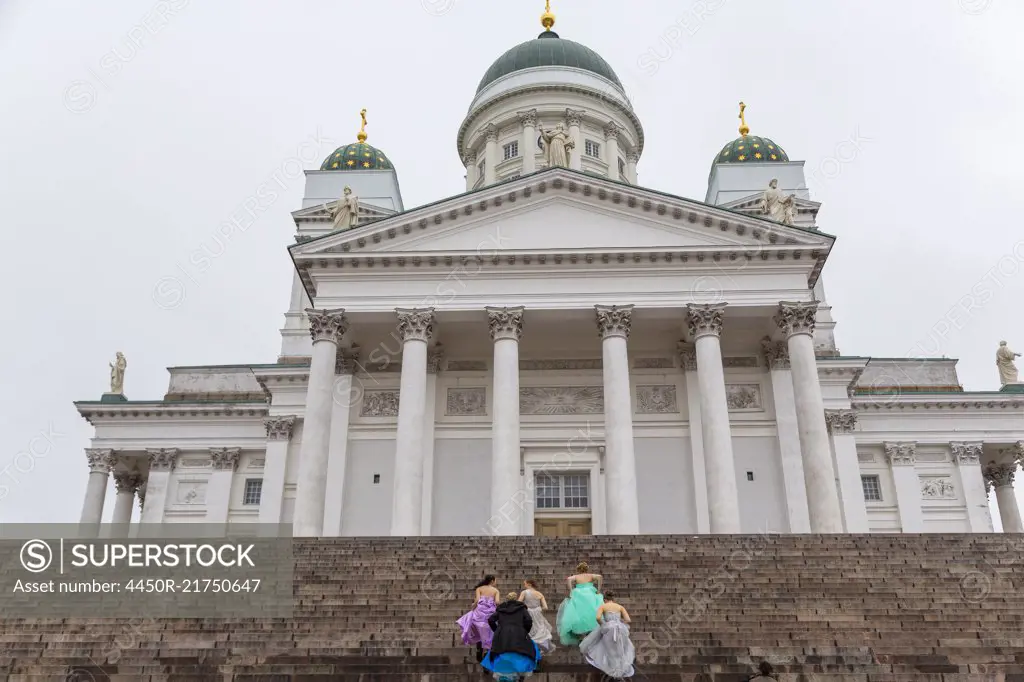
548 49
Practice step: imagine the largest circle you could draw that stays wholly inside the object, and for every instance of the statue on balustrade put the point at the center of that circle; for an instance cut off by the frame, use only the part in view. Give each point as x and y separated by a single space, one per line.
345 211
777 206
1004 361
557 146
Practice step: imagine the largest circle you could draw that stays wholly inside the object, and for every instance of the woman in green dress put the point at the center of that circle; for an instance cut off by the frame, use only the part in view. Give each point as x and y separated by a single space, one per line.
577 615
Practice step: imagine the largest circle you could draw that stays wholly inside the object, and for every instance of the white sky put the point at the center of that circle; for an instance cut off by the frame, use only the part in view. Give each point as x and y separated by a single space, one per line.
118 161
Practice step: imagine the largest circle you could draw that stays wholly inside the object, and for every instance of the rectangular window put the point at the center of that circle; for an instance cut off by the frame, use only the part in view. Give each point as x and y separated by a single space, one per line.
253 491
872 488
511 150
563 491
593 149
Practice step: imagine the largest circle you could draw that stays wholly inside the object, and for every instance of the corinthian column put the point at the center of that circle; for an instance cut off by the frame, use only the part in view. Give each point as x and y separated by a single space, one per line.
345 365
611 137
1000 477
776 354
613 325
841 425
574 117
224 462
903 460
506 327
705 325
529 141
796 320
326 327
491 156
126 484
161 466
101 462
415 327
968 462
275 463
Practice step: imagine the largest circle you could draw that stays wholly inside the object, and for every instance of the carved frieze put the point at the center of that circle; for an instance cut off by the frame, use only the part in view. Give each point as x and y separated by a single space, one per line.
653 363
561 400
467 366
656 400
193 492
465 402
743 396
938 487
559 365
740 363
380 404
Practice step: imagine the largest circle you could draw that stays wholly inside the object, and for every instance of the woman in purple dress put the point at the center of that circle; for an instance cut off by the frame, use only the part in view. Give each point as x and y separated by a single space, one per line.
475 629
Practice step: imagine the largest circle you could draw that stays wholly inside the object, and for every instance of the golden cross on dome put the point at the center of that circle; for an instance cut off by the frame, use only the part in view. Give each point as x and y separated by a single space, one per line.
362 131
744 128
547 20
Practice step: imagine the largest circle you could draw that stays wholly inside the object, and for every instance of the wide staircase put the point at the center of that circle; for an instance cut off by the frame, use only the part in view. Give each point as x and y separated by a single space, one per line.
847 607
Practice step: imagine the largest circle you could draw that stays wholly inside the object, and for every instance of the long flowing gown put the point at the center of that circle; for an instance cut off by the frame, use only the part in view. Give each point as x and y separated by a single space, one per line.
577 615
608 648
541 631
475 629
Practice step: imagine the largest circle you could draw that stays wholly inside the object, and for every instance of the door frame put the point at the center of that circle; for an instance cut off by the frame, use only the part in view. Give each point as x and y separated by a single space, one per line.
560 458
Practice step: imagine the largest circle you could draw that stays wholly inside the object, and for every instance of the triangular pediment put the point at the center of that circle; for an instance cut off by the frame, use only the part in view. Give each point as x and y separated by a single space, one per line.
806 210
557 210
319 214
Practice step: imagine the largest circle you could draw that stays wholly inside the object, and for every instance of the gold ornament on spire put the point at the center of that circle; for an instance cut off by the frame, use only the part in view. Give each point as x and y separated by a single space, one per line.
744 128
362 131
547 20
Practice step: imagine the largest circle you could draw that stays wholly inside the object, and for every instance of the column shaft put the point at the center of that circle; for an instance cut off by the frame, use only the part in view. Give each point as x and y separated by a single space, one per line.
614 323
574 119
841 424
688 361
275 463
968 463
326 327
797 322
415 328
491 158
902 459
161 466
631 161
529 141
124 503
435 359
471 171
346 364
1000 477
100 463
612 150
777 356
506 328
218 492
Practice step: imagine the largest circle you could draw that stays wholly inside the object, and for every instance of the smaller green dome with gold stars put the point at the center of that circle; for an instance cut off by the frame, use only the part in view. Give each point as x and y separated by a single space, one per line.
749 148
358 155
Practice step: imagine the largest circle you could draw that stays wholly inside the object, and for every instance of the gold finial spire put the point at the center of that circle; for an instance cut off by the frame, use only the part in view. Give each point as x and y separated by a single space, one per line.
362 131
547 20
744 128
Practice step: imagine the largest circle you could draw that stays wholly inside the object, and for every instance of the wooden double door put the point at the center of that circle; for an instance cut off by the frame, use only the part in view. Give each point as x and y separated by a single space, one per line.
561 527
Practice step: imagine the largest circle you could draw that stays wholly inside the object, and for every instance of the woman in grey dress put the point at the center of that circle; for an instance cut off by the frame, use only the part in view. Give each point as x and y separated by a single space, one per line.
537 604
608 648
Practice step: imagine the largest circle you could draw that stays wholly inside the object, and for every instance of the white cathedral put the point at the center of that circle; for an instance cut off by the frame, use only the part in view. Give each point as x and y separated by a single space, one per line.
561 351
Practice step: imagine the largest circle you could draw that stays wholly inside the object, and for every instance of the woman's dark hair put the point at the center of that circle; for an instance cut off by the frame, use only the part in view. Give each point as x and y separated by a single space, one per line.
488 579
532 582
609 595
765 668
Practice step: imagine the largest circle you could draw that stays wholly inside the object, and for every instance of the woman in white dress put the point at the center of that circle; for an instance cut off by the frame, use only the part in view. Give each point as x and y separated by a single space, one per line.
608 648
537 605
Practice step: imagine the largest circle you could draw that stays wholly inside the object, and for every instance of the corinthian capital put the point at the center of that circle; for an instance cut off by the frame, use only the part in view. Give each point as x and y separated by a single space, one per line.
415 324
225 459
840 421
126 482
776 353
966 453
901 454
998 475
162 459
279 428
327 325
704 320
574 117
614 320
612 130
505 323
435 359
347 360
491 131
528 118
101 460
796 318
687 356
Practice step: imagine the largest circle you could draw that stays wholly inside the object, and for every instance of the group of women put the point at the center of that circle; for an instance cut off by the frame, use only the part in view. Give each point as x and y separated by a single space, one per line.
511 635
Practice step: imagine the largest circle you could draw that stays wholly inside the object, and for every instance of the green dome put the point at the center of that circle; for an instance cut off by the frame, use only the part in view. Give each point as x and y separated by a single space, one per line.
357 156
752 149
548 50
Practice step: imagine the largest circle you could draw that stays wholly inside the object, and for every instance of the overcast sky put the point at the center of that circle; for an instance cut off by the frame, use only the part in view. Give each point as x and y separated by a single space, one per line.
130 130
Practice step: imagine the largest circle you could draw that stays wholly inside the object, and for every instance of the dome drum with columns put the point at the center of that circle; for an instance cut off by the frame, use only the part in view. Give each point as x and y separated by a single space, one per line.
563 352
